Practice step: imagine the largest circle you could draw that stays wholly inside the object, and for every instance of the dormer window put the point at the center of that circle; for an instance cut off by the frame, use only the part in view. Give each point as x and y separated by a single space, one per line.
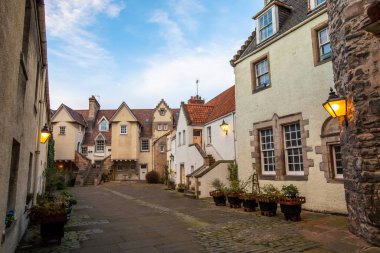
266 24
103 126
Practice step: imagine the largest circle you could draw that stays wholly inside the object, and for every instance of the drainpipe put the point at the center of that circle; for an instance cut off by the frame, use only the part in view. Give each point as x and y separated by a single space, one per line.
39 125
234 122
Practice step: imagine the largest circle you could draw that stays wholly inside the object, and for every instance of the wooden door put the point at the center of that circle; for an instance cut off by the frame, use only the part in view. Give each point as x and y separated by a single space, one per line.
182 173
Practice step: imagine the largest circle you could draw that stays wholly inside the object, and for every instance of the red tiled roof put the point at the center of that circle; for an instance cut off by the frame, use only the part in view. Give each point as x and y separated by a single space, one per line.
145 117
89 137
75 115
223 104
197 113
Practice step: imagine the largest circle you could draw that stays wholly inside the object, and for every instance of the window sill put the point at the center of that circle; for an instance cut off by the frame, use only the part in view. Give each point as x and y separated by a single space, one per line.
267 177
256 90
317 63
294 178
144 150
335 180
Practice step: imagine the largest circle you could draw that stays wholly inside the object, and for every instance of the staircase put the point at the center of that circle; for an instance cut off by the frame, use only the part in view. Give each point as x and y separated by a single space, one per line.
93 173
190 194
209 160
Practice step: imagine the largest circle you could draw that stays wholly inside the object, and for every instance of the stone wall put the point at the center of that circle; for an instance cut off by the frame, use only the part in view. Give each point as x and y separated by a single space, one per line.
356 62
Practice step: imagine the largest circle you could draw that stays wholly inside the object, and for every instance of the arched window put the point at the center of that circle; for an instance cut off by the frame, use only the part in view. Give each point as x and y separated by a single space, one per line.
103 126
99 144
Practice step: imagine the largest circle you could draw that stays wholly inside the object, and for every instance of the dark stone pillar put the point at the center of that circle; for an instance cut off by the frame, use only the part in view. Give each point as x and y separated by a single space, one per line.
356 62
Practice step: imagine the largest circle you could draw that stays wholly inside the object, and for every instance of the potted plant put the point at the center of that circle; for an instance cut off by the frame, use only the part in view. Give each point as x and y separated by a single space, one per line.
67 199
290 202
181 187
249 201
171 184
268 200
218 193
9 218
52 218
236 188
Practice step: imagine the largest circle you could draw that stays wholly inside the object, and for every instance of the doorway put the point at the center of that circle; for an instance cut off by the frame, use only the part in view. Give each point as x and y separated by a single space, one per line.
197 137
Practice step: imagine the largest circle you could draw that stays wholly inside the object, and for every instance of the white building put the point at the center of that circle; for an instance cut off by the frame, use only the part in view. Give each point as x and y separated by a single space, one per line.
202 149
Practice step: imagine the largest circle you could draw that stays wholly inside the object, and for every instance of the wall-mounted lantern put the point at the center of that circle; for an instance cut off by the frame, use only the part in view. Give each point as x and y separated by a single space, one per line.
171 157
45 134
225 127
336 106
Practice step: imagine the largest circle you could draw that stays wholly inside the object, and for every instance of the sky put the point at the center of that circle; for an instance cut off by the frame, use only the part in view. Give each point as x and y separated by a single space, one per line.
142 51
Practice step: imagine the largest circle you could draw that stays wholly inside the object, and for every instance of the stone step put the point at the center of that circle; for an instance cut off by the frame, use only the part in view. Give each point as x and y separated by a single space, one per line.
190 194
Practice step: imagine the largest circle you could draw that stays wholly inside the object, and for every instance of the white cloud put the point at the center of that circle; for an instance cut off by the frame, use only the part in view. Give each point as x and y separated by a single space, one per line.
185 10
68 22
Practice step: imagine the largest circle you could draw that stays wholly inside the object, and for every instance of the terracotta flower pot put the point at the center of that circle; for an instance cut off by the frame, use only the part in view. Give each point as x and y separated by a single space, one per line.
291 207
219 198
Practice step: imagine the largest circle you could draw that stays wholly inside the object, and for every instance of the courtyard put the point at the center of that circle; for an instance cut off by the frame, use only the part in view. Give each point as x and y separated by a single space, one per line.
139 217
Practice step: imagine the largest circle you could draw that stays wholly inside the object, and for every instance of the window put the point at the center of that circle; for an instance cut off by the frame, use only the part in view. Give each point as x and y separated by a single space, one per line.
316 3
12 187
184 138
29 188
159 126
123 129
324 44
98 164
144 145
103 126
262 74
179 139
293 149
267 152
99 145
162 148
119 167
162 111
84 150
337 161
321 43
62 130
165 127
265 26
209 135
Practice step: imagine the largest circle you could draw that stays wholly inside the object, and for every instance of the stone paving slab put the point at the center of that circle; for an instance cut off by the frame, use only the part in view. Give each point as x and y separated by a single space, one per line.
126 217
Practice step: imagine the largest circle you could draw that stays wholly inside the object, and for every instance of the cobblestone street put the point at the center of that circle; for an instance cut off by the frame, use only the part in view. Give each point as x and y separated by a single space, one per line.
132 217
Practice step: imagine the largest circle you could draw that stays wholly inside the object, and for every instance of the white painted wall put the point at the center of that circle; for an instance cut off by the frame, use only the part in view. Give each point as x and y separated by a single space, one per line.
220 171
97 156
188 155
222 145
297 86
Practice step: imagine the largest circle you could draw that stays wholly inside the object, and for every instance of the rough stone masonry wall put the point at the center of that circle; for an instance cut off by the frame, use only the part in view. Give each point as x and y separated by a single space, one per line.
356 62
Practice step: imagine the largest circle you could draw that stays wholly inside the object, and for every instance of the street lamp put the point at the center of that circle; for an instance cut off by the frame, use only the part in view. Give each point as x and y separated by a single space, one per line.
45 134
336 106
224 126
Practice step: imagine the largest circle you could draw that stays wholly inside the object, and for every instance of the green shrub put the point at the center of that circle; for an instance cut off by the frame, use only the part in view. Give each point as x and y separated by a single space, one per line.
152 177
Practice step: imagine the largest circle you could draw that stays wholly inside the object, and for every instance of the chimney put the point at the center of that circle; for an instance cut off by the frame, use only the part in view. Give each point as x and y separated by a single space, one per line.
196 100
267 2
93 107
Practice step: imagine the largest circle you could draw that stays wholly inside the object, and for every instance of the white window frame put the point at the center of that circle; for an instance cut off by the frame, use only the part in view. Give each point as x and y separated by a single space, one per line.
142 146
209 136
162 111
122 131
296 147
98 140
162 148
159 127
274 12
320 45
165 127
336 175
106 126
62 130
257 76
313 4
264 150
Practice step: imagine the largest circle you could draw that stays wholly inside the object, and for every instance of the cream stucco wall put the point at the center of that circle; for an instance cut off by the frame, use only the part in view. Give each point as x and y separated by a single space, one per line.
297 86
220 172
125 146
65 145
166 119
